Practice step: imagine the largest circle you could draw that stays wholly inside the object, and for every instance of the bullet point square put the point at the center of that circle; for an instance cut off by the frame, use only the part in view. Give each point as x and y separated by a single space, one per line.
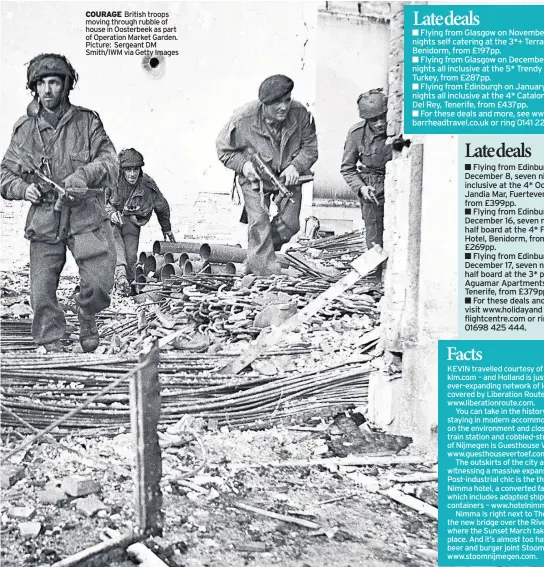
415 86
415 112
415 59
468 256
468 166
415 32
468 211
468 300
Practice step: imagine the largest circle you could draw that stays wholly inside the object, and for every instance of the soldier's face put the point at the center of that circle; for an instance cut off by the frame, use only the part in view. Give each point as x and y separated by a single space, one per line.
50 91
378 124
131 174
278 109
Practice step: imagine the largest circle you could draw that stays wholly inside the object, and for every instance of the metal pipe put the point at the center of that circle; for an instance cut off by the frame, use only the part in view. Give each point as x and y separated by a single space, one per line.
234 268
142 257
153 264
139 271
196 268
188 257
171 257
161 247
170 270
222 253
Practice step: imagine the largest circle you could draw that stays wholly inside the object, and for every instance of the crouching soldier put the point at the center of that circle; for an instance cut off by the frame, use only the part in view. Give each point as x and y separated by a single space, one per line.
282 132
68 145
130 204
364 160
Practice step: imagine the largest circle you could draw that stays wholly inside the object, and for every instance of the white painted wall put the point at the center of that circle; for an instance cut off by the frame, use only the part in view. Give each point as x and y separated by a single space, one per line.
352 57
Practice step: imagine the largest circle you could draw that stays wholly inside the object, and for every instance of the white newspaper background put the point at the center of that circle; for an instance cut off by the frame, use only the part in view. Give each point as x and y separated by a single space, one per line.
172 114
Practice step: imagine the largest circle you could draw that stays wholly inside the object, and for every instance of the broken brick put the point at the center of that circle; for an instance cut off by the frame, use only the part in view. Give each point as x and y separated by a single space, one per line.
77 486
21 512
30 529
53 496
90 505
9 475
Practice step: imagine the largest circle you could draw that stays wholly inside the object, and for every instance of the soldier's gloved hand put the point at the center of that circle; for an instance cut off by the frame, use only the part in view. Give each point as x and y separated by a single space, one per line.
169 236
32 194
250 172
368 193
75 179
291 175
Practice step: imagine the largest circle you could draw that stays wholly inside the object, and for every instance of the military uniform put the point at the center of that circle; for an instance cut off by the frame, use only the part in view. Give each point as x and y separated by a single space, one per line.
294 143
363 163
79 151
135 203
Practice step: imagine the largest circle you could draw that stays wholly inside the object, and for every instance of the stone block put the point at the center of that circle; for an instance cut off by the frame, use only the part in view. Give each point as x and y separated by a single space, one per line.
78 486
30 529
21 512
9 475
90 505
53 495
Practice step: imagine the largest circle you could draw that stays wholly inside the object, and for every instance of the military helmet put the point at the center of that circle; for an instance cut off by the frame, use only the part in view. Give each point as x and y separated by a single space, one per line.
50 64
371 104
131 158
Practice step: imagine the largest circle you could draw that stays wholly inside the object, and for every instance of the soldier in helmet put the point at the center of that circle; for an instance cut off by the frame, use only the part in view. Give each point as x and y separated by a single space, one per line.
130 204
282 132
68 144
363 163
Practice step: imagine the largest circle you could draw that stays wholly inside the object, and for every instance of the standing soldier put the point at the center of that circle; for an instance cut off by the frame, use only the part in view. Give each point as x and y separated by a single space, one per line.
130 204
282 133
67 144
365 145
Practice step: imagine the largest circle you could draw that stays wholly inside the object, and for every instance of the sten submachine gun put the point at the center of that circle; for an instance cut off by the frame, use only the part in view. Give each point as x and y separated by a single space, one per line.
64 195
266 174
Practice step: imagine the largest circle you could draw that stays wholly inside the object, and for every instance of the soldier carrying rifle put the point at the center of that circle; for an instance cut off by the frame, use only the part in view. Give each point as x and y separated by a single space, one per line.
271 145
58 146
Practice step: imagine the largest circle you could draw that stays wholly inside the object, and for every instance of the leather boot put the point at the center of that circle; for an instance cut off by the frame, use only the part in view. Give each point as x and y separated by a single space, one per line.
88 333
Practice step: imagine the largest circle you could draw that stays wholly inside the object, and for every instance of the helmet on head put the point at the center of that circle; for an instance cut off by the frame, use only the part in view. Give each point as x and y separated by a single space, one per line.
372 104
50 64
131 158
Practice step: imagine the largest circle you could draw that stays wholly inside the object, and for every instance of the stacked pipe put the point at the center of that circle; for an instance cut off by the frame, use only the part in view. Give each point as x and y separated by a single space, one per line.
177 259
40 389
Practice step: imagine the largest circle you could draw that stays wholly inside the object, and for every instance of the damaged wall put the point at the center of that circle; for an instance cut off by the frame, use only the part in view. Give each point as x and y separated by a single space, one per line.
352 56
420 303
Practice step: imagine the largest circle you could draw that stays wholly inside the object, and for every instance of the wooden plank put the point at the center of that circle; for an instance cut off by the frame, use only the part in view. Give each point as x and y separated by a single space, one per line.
411 502
340 462
145 407
363 265
282 517
100 554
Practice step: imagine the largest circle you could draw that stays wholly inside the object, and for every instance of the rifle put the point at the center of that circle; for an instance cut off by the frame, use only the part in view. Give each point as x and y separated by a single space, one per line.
63 194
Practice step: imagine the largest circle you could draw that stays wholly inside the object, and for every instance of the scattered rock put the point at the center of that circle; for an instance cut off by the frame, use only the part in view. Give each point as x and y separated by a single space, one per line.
248 281
90 505
274 315
21 512
212 494
53 495
197 343
30 529
265 367
77 486
430 554
9 475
